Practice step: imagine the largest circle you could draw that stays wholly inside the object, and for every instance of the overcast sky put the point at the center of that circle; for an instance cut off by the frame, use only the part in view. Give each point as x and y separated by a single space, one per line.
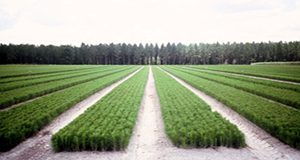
156 21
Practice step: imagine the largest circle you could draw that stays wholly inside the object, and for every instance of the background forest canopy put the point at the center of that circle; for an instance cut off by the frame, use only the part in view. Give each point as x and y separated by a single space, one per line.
170 53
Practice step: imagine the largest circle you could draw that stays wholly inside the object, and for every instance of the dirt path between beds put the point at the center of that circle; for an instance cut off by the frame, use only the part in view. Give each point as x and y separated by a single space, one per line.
39 146
259 142
149 140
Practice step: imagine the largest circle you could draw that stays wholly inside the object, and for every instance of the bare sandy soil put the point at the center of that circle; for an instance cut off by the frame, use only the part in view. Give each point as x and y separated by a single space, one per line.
149 140
261 144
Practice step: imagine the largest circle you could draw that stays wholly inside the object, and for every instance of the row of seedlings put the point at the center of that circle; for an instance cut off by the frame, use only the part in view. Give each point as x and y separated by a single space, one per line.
107 125
23 121
280 121
10 71
15 96
37 76
276 84
285 96
189 121
280 72
48 78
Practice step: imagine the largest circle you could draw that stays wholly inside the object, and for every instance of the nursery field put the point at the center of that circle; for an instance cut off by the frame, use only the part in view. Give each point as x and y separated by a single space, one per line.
228 111
189 122
21 122
252 100
281 72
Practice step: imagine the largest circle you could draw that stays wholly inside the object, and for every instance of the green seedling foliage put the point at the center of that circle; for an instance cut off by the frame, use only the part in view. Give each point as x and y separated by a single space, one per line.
189 121
9 71
280 72
31 77
280 121
281 85
107 125
53 77
21 122
287 97
26 93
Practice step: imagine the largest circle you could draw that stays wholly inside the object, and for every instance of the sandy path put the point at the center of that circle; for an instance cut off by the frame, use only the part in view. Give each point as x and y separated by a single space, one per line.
39 146
149 140
247 76
259 142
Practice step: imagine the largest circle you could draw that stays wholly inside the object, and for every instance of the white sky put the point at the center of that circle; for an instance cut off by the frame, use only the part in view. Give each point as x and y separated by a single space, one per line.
156 21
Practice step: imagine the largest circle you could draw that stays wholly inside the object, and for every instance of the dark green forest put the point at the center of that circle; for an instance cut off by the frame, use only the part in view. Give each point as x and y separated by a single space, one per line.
170 53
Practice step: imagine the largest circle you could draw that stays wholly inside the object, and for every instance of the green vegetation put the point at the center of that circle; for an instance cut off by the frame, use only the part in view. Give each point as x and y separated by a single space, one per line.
288 86
189 122
7 71
277 63
284 96
22 94
107 125
61 76
280 72
37 76
21 122
280 121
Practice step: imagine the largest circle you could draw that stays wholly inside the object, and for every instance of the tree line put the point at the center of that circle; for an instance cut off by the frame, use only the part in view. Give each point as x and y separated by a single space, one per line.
170 53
